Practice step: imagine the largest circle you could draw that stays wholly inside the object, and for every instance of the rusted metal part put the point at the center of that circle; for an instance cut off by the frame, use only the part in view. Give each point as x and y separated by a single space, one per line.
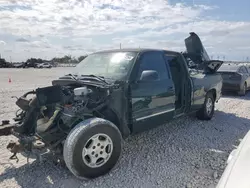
5 130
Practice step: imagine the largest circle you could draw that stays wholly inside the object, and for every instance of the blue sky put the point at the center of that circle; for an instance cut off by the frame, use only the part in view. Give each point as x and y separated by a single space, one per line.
31 28
227 9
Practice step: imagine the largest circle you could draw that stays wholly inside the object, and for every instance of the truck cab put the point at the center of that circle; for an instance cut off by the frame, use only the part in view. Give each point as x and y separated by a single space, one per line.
162 87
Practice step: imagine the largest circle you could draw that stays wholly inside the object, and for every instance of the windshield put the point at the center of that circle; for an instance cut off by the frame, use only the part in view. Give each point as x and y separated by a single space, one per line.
114 65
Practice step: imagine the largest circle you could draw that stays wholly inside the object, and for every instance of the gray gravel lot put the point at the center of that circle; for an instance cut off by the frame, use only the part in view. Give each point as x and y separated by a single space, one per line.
184 153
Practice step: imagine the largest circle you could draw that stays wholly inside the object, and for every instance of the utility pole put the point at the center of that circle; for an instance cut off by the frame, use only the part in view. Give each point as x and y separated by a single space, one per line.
120 45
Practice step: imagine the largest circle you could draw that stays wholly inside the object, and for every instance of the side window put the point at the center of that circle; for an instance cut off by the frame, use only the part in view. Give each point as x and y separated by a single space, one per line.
172 61
153 61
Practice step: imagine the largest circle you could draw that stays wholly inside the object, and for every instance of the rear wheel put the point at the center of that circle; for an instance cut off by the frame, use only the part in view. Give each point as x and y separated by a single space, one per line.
242 92
207 111
92 148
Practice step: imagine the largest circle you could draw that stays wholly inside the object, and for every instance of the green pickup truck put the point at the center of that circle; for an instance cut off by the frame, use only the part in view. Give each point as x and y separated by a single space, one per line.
84 116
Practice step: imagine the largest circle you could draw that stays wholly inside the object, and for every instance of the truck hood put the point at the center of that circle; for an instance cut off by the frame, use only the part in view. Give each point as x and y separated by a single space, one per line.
197 53
194 46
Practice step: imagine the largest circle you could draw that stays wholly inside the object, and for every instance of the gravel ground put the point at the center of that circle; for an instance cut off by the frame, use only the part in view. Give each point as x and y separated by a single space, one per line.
184 153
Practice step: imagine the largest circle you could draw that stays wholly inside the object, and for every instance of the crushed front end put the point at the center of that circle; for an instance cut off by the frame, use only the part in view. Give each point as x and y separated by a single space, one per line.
47 115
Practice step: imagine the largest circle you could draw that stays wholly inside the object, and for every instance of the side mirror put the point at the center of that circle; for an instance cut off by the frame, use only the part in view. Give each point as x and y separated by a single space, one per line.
149 75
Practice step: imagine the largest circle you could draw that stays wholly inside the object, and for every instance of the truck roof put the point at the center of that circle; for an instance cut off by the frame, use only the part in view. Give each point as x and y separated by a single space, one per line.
134 50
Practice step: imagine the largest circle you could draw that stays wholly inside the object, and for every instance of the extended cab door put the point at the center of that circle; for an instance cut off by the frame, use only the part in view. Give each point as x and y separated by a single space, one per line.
152 92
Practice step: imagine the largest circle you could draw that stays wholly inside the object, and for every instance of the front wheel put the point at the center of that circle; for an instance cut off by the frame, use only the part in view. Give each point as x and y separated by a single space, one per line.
207 111
92 148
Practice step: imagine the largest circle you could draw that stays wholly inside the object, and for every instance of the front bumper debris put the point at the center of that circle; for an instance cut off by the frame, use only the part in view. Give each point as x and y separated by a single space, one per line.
31 145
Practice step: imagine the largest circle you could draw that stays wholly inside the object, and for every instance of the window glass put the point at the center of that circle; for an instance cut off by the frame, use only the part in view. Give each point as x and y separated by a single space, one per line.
114 65
153 61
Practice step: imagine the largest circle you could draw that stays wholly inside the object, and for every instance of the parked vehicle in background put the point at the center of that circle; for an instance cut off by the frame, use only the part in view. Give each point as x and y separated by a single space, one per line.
111 95
237 172
29 65
235 78
18 65
44 65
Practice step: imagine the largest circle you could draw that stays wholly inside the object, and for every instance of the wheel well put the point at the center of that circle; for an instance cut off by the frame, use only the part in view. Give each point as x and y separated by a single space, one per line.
213 92
111 116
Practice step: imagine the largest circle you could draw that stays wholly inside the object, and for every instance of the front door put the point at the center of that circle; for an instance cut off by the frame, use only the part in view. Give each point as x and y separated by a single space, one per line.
153 101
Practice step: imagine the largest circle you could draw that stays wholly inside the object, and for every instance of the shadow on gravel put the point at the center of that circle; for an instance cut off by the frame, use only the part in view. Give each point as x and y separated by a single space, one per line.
185 152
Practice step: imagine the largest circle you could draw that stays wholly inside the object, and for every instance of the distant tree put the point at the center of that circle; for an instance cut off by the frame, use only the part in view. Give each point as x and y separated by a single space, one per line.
67 59
74 61
81 58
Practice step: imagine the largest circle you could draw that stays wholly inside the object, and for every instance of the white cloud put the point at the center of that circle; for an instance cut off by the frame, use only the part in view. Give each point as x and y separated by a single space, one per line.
75 26
2 43
90 17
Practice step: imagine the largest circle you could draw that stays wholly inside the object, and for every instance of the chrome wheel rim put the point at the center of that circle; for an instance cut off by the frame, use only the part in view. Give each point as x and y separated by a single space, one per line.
209 106
97 150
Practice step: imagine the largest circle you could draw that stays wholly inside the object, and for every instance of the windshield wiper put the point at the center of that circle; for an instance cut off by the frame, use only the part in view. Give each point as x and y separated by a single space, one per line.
100 78
73 76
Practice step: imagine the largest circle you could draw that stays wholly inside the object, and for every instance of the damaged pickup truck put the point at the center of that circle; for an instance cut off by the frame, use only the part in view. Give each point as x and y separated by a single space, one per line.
84 116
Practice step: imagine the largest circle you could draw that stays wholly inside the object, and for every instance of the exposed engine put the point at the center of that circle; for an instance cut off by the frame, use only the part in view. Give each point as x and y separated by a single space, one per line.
47 118
85 102
69 105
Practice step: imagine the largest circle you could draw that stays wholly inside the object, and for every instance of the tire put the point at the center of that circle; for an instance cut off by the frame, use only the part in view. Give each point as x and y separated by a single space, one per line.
242 92
83 136
204 113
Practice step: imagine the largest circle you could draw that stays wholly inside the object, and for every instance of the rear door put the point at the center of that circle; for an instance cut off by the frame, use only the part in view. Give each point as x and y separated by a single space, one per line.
153 102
